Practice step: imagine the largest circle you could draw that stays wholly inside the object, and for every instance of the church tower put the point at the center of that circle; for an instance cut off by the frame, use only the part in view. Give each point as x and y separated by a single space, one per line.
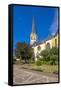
33 35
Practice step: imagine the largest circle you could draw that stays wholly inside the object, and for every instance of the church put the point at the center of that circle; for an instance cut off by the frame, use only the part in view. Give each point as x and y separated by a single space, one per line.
39 46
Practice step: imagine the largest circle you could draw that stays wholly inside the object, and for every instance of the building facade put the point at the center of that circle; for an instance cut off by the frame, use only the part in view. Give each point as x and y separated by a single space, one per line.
38 47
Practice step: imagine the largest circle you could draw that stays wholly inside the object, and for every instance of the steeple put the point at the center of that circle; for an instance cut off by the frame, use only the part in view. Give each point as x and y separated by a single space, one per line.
33 36
33 25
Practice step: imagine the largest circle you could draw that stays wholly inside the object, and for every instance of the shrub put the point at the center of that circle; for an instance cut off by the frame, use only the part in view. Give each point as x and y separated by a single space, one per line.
54 51
45 53
50 56
54 59
39 62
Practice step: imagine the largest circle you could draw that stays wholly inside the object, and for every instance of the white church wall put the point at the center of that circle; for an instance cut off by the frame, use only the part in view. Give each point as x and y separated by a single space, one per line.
42 48
35 52
36 49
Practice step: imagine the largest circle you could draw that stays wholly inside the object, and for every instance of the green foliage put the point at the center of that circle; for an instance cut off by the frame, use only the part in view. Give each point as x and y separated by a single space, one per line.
19 49
54 51
54 59
39 62
23 51
45 53
50 56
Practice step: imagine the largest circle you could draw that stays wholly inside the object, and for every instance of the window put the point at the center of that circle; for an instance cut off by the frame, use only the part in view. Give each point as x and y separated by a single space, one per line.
55 42
38 48
48 45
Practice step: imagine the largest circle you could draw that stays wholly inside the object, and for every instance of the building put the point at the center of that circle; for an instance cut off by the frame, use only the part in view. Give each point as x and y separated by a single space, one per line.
33 35
39 46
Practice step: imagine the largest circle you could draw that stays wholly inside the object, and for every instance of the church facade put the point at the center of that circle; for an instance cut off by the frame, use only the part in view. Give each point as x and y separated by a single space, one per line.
40 46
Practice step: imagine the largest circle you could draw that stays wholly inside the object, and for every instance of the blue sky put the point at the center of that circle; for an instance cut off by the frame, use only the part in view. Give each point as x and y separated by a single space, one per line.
46 22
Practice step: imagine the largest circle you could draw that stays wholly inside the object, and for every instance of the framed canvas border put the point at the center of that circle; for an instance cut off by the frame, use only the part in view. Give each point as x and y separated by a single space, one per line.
10 44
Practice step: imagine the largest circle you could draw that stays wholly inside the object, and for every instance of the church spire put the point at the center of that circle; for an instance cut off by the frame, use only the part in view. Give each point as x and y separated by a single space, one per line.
33 35
33 25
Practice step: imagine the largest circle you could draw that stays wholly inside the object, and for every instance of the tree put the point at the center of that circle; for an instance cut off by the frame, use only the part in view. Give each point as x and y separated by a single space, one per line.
23 51
20 47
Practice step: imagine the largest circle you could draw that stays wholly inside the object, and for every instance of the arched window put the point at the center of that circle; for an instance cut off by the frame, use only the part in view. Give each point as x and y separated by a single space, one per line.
48 45
38 48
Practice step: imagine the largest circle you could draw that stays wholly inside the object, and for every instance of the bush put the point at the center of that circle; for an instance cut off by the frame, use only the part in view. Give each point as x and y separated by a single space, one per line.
50 56
54 59
39 62
45 53
54 51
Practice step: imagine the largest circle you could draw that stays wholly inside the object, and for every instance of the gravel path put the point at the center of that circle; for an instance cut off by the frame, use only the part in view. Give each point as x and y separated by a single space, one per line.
24 76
